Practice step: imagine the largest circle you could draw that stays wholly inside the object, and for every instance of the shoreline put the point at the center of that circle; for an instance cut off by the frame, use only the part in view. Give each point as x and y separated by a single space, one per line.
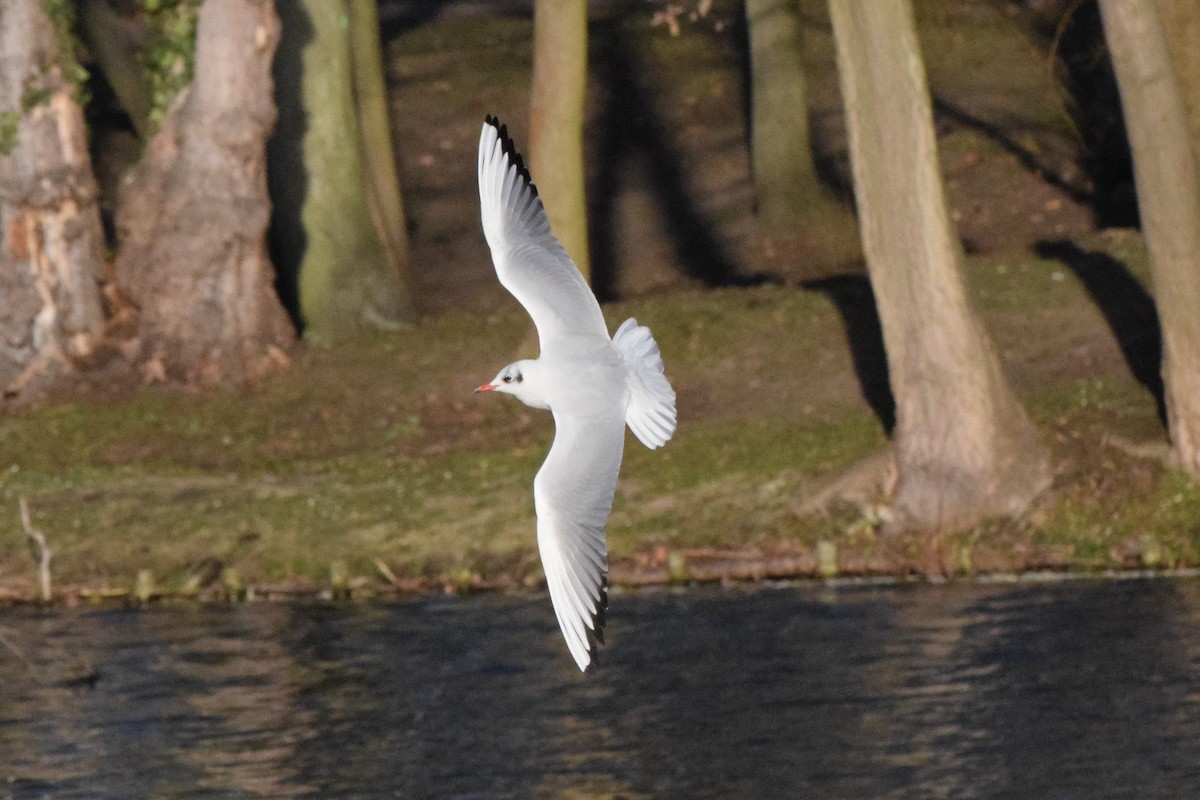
734 569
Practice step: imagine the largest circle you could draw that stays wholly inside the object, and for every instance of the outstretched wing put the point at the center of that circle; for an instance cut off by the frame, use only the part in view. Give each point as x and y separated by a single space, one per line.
573 493
529 261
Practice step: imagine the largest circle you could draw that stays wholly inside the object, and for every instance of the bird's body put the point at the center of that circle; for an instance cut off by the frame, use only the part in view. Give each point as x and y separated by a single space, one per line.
592 384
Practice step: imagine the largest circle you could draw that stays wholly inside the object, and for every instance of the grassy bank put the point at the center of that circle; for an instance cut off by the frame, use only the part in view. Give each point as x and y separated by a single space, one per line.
375 461
372 468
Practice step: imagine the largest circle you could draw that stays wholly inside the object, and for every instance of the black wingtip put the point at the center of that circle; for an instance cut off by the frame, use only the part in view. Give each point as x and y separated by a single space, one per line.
596 634
510 150
600 618
601 615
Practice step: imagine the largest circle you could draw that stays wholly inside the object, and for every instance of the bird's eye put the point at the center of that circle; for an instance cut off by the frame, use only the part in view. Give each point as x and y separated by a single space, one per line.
508 378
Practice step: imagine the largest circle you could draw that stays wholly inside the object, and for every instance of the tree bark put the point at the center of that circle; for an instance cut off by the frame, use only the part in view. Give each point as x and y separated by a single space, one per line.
1181 24
1168 187
344 278
51 242
378 149
192 216
785 177
964 448
116 49
556 121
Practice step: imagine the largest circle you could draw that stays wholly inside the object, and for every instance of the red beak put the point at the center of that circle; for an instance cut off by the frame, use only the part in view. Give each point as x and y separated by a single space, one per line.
487 387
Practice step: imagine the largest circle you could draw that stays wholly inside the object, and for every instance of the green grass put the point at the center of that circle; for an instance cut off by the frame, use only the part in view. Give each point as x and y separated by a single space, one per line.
379 450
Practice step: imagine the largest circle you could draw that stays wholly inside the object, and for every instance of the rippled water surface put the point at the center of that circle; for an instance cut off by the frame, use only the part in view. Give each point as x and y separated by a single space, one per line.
1073 690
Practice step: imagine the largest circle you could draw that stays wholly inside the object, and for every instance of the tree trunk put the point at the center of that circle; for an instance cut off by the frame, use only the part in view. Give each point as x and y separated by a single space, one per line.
1168 187
556 121
344 277
964 448
114 47
1181 24
378 149
193 214
51 242
785 177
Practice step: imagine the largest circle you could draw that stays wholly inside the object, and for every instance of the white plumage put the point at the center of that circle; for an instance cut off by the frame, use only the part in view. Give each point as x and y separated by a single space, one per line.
593 385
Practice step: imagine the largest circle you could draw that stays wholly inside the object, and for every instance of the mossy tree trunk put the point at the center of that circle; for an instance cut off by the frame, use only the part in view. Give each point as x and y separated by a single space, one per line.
378 149
338 227
51 242
785 176
556 121
193 214
1168 187
964 448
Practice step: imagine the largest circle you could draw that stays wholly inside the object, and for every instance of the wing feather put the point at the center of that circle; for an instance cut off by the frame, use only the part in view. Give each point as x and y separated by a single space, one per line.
573 493
529 261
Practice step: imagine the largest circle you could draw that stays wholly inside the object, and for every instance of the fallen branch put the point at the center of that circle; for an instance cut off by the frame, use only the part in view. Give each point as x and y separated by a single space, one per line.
406 585
43 550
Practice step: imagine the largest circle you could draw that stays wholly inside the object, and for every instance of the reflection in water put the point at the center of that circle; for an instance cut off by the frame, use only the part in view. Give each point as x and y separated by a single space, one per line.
1075 690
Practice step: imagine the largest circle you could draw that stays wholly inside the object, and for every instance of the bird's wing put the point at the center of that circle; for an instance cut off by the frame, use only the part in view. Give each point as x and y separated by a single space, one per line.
529 261
573 493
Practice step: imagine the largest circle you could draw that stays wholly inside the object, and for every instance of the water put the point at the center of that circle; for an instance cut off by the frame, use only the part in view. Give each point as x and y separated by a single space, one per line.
1075 690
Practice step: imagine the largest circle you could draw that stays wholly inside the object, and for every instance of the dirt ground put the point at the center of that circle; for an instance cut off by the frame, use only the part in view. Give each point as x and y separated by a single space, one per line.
671 204
371 468
1010 154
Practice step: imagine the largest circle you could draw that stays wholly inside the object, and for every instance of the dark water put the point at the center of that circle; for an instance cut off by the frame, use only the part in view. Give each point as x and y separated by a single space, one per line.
1076 690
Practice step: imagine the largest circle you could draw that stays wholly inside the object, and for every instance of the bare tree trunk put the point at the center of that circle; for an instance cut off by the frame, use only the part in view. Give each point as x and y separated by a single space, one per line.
964 448
1181 24
1168 187
51 242
556 120
785 177
193 214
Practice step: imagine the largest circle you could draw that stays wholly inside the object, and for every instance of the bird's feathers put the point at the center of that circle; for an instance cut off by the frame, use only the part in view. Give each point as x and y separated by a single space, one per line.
651 409
529 261
573 494
592 385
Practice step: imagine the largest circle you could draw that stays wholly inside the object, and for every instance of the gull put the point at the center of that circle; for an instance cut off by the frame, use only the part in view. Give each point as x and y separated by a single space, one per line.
593 386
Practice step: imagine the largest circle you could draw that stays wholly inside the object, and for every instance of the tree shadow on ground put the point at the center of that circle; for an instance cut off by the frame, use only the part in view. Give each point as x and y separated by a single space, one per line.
397 17
629 125
1028 158
1127 307
1073 36
855 302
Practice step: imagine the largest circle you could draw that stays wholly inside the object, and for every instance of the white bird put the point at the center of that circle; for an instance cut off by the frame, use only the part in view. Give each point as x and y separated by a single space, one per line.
593 385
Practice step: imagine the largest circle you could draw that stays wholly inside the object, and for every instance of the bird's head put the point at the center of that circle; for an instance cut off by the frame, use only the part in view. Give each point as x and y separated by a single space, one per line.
520 380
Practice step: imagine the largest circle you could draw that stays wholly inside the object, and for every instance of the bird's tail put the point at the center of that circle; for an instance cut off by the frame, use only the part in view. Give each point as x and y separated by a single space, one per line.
651 411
